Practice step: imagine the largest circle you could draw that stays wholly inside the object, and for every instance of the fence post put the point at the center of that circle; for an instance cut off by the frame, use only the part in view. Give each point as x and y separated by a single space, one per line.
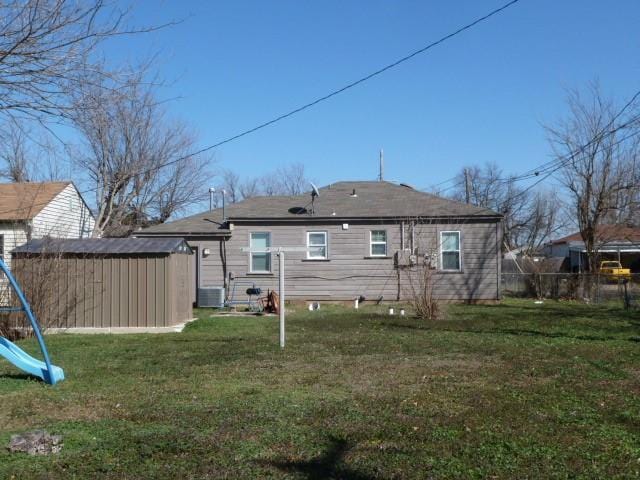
627 300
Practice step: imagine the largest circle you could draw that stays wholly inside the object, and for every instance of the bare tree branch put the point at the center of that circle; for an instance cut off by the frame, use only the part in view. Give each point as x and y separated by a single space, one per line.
601 177
529 217
49 47
126 140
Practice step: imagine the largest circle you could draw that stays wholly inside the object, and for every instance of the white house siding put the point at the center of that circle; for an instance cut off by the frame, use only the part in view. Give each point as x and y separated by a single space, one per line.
66 216
13 234
349 272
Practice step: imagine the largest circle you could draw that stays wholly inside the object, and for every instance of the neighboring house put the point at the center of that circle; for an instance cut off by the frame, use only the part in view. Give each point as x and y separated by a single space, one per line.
361 238
35 210
613 242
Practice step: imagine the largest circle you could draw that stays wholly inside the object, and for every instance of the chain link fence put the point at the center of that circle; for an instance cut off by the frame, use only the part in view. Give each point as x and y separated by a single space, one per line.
593 288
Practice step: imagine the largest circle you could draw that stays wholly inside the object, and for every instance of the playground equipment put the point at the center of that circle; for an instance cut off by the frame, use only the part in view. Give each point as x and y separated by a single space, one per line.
18 357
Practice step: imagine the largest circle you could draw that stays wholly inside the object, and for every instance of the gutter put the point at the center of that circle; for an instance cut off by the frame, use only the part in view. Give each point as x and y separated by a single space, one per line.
317 219
182 234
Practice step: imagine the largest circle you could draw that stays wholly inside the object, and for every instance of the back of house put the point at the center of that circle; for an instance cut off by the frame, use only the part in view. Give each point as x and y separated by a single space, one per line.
376 240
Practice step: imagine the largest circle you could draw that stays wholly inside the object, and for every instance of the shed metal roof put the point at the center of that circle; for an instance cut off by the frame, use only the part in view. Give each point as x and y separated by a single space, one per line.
105 246
342 200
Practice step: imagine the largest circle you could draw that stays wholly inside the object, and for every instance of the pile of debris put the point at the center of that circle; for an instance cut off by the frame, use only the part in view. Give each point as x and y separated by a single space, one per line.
38 442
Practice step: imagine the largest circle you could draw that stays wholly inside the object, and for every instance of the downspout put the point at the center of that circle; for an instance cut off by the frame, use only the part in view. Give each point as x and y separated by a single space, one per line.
499 259
223 259
397 262
413 238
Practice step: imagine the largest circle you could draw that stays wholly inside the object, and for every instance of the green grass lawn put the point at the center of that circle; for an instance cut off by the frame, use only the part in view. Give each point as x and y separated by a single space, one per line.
516 390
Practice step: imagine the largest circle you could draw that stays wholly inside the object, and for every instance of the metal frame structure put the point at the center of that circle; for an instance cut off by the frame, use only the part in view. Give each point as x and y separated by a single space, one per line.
279 251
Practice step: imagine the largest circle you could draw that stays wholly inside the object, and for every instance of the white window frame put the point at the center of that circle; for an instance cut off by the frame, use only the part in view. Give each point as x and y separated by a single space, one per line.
372 243
251 253
325 245
459 251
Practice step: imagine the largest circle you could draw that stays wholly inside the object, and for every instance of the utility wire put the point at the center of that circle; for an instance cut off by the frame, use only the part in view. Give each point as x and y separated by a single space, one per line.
542 168
336 92
550 167
320 99
543 173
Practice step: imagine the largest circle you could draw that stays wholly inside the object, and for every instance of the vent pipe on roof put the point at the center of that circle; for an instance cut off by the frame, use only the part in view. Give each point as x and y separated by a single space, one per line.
223 192
381 171
224 217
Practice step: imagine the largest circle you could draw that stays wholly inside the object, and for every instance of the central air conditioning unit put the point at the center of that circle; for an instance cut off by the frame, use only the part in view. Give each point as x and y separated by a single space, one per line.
211 297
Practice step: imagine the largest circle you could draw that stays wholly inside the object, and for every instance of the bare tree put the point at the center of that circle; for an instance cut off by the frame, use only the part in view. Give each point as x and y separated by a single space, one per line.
249 188
29 156
539 222
270 185
529 216
231 186
598 167
127 140
422 281
46 49
292 179
286 180
18 165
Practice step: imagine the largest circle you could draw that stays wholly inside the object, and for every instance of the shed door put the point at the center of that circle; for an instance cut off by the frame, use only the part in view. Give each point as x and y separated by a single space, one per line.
195 276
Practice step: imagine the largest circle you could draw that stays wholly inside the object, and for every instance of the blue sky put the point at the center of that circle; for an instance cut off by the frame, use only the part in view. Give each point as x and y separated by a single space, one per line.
483 96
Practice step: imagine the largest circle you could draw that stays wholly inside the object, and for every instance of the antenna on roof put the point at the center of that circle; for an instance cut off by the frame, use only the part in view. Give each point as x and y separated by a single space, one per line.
381 171
314 193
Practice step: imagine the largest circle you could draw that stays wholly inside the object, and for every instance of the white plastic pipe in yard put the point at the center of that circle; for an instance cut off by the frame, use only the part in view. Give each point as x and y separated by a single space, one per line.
282 295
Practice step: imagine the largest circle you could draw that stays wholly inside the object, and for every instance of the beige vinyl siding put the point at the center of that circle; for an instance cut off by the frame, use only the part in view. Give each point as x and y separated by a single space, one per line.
66 216
350 271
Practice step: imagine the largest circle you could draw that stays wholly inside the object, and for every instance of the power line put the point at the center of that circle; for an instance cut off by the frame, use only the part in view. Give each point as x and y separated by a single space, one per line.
546 169
339 90
324 97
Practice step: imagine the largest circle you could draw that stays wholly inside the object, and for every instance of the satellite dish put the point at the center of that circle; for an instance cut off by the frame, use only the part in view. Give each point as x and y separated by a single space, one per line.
314 193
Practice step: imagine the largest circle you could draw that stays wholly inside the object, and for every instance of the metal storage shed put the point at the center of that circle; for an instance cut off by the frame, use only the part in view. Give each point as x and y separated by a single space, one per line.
107 283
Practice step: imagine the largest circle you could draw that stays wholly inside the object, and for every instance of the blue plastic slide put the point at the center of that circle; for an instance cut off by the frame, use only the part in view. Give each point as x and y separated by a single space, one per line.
21 359
27 363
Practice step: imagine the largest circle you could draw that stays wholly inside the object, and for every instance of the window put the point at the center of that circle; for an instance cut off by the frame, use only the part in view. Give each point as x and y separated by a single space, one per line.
450 250
260 257
378 243
317 245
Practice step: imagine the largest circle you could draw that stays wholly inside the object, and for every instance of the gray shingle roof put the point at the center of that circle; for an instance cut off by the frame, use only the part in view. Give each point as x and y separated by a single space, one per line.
105 246
372 200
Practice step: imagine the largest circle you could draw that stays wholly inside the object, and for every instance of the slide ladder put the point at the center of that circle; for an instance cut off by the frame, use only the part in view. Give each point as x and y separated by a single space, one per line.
18 357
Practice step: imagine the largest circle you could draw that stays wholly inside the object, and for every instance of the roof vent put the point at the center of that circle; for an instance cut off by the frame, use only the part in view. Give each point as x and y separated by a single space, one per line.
406 185
353 194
